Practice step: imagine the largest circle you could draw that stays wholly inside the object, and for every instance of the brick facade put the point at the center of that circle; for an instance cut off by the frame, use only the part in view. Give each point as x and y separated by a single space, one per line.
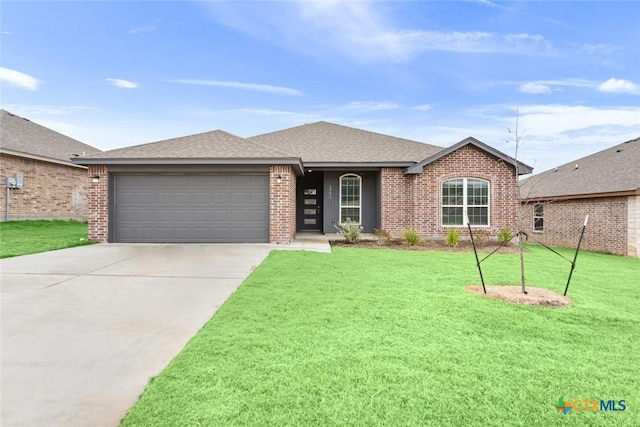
98 217
395 199
415 201
50 191
607 230
282 204
633 227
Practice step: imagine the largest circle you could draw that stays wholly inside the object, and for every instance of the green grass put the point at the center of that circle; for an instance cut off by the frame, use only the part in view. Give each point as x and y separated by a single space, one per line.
383 338
28 237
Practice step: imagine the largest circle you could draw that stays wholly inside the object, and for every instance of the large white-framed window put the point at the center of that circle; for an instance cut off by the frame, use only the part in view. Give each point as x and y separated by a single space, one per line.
460 195
350 198
538 217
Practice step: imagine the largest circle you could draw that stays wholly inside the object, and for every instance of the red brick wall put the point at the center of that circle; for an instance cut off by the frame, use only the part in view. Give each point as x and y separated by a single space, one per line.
98 217
282 210
51 191
395 189
415 200
606 230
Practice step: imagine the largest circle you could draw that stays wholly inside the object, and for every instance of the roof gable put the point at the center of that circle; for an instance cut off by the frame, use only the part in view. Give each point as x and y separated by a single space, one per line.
20 136
324 142
612 170
521 167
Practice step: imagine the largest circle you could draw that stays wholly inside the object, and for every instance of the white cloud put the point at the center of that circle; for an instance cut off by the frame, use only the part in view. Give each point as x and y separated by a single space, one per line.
367 106
125 84
18 79
614 85
549 86
142 29
598 49
278 90
361 31
535 88
48 110
422 107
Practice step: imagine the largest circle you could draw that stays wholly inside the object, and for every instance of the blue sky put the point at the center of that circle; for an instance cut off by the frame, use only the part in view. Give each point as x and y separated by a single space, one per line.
120 73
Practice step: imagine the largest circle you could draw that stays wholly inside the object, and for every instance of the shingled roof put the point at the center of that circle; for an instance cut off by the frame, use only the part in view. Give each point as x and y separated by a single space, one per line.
328 143
615 170
22 137
215 147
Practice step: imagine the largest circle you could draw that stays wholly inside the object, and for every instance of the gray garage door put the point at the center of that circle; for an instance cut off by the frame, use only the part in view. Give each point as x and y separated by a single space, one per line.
191 208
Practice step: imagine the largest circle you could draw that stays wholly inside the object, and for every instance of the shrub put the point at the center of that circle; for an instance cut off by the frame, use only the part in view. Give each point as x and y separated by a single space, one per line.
480 237
453 237
412 237
383 237
350 230
504 236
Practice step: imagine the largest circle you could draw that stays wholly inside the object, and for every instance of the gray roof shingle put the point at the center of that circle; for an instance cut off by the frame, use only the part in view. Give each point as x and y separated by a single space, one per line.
216 144
615 169
19 135
323 142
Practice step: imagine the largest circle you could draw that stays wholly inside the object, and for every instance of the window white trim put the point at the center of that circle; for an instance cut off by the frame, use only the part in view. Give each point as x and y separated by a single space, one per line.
538 215
358 206
465 205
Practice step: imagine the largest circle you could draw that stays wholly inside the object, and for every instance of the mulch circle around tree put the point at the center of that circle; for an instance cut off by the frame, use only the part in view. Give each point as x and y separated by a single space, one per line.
513 294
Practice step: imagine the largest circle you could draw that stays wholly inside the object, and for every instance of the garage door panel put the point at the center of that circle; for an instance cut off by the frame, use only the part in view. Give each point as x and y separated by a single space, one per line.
220 197
164 215
183 215
182 196
259 215
201 215
239 215
202 198
191 208
241 198
258 234
258 198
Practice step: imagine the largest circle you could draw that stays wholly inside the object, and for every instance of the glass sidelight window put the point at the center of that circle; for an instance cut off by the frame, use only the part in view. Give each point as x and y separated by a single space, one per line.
350 198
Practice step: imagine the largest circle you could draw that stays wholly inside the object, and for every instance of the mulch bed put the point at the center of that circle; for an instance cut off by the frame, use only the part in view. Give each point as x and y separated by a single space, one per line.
428 245
513 294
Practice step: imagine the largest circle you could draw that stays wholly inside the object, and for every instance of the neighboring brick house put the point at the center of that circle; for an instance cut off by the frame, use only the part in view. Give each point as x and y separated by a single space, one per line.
604 185
53 187
218 187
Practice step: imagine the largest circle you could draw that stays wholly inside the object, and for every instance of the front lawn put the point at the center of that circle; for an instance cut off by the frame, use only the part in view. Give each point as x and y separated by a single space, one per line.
384 338
28 237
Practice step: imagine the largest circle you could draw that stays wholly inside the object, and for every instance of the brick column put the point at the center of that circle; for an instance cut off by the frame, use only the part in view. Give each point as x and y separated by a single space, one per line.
396 201
98 204
282 204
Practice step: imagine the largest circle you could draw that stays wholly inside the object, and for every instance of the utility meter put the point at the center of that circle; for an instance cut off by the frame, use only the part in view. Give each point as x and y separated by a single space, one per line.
15 181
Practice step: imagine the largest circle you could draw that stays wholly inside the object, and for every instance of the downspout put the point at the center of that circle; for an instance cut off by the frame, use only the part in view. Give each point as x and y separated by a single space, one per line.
6 204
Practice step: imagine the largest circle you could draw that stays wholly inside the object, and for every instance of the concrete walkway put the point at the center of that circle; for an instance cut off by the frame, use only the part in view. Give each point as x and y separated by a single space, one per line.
84 329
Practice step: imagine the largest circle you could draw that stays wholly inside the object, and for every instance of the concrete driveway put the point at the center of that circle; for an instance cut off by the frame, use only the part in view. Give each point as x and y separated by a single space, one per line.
84 329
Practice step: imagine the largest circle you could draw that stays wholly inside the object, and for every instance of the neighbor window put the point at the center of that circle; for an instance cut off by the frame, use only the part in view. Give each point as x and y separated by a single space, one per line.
350 198
462 195
538 217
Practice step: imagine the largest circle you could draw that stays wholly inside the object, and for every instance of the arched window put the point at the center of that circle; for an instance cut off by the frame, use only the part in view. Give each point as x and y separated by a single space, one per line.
350 198
462 195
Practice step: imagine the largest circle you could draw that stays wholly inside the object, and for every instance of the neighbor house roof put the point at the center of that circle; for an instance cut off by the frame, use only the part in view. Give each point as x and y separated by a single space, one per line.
326 144
522 168
22 137
614 171
215 147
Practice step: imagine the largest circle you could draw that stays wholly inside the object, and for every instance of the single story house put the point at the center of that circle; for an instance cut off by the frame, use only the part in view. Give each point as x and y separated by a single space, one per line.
604 185
37 173
218 187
